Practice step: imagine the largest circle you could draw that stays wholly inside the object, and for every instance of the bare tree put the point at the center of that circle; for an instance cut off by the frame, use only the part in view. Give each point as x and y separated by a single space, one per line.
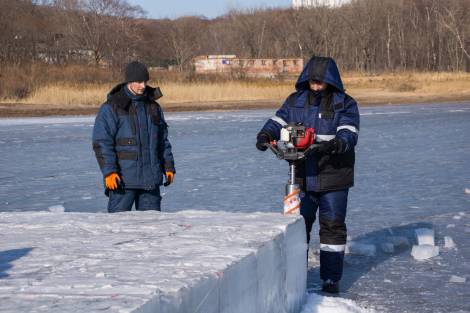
366 35
449 21
183 39
21 23
103 28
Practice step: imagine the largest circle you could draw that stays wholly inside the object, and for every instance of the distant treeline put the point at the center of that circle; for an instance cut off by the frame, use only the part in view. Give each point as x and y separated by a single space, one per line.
365 35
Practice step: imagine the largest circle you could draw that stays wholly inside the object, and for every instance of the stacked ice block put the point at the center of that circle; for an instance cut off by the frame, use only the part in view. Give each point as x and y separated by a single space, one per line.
191 261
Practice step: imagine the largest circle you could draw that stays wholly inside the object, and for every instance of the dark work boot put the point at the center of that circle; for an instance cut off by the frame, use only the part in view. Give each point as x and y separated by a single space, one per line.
330 286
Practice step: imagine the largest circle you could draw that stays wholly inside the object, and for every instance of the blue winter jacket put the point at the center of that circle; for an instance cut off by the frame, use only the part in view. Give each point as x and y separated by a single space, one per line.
333 114
130 137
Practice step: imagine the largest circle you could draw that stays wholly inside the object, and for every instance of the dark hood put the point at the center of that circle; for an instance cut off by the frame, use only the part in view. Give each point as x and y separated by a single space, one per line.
322 69
119 96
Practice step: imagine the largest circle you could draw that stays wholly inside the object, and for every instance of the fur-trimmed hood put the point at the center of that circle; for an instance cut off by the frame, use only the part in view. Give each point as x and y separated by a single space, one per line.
118 95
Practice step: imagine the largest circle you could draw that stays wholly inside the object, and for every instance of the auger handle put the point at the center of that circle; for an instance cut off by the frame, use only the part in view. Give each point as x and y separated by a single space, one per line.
273 147
311 149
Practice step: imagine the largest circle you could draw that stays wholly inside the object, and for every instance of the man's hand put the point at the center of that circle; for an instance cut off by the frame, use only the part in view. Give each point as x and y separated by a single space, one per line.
262 140
170 176
112 181
334 146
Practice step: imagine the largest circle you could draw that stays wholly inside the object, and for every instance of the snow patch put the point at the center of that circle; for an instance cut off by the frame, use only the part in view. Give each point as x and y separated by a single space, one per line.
467 191
321 304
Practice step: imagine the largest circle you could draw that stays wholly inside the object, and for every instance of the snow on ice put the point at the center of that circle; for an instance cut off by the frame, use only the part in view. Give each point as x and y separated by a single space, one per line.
191 261
372 214
321 304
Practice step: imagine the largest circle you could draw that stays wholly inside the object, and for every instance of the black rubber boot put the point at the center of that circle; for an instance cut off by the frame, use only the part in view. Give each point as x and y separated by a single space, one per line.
330 286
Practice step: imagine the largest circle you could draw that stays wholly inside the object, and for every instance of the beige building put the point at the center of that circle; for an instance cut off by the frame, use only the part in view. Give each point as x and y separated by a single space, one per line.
297 4
230 64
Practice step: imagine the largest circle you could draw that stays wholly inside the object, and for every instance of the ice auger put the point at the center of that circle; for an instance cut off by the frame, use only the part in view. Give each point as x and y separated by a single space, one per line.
295 143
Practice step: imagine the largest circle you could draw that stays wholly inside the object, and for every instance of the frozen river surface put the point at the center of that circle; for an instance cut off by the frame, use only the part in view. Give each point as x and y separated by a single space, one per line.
413 166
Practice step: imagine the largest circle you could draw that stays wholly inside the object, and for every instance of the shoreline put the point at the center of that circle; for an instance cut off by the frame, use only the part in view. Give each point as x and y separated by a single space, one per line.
12 110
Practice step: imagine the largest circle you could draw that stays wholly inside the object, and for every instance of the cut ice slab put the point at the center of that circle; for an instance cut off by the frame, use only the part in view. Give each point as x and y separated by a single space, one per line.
457 279
425 236
399 241
56 209
358 248
211 262
449 243
424 252
387 247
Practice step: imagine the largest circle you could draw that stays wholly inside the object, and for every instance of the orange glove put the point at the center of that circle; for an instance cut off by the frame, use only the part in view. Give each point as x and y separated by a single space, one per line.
170 176
112 181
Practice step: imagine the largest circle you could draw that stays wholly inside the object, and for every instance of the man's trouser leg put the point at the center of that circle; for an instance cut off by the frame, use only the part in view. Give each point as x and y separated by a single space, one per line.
308 209
121 200
148 200
332 215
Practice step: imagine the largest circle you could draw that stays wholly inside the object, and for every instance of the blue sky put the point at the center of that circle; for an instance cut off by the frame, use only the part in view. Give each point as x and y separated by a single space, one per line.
208 8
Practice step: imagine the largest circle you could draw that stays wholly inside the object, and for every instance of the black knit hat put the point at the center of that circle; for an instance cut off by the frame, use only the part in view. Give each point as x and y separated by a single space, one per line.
136 72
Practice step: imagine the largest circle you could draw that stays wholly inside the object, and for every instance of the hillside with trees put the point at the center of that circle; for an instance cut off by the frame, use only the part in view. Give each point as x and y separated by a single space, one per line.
365 35
87 41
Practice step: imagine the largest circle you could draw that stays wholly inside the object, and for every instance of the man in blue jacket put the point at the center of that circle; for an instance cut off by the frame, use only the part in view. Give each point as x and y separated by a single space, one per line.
130 140
320 102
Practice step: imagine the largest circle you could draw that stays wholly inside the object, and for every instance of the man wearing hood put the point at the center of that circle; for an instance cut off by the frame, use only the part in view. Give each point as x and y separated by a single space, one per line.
130 140
326 175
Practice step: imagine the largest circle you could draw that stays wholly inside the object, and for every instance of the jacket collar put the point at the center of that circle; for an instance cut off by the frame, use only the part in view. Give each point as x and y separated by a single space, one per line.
119 96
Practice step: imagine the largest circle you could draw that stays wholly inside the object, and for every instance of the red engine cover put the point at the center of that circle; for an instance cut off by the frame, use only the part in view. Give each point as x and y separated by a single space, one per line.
307 140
